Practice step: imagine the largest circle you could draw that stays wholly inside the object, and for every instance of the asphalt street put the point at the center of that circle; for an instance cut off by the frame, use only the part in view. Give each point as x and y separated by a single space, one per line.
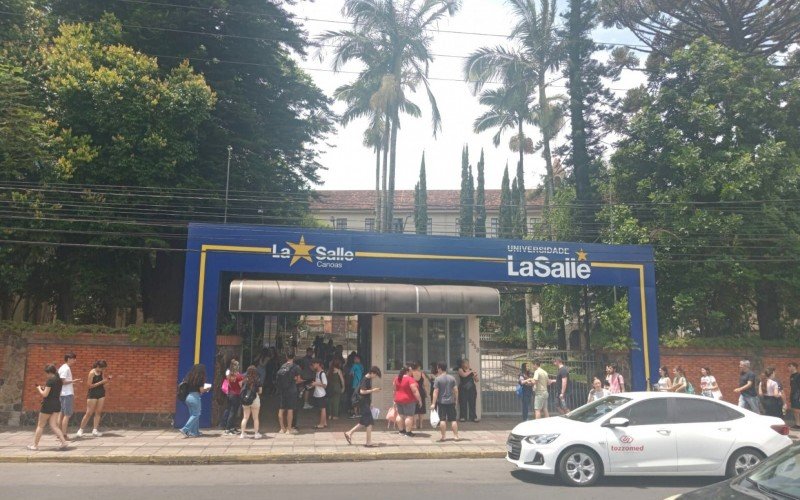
381 480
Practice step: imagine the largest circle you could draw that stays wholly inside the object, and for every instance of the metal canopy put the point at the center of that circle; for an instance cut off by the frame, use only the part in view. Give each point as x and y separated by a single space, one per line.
362 298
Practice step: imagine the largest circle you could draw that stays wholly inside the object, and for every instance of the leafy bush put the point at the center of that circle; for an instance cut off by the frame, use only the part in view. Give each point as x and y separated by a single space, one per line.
149 334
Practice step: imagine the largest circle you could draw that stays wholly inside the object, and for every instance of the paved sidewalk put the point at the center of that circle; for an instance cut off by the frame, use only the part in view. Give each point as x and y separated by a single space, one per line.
485 439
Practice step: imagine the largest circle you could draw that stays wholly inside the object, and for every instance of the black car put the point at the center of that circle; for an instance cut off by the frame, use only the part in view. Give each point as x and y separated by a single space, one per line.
776 478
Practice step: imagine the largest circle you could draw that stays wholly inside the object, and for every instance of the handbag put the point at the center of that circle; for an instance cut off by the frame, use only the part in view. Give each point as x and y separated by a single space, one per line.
376 412
226 386
519 391
391 413
435 419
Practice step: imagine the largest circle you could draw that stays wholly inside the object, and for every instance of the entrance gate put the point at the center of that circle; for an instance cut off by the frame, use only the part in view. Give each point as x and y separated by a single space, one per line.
325 255
500 370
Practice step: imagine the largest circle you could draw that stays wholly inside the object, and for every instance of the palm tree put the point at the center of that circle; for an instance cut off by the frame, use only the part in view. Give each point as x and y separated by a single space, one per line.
525 68
392 39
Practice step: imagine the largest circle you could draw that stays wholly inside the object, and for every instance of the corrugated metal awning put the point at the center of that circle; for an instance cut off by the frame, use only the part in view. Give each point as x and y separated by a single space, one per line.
361 298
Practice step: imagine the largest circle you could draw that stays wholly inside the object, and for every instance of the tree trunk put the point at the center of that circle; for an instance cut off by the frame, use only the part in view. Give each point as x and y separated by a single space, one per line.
529 321
162 287
546 126
387 127
768 311
377 226
392 167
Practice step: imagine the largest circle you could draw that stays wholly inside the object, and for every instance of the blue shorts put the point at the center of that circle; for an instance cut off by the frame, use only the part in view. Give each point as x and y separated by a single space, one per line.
66 404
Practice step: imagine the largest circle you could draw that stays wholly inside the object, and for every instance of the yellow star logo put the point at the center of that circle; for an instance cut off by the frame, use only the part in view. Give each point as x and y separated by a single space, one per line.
301 251
581 254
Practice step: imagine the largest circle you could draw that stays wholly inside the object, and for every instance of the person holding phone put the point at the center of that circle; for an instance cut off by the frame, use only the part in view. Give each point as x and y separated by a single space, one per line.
96 398
51 408
196 382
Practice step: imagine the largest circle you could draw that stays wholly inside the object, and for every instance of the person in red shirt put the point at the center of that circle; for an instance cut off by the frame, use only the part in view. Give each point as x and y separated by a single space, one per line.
406 397
234 393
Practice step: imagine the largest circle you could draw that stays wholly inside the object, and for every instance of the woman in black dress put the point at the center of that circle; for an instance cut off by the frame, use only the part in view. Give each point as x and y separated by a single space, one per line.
51 408
423 383
467 392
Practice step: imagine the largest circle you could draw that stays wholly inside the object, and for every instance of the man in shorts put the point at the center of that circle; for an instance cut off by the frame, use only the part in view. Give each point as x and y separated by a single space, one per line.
445 399
320 396
540 383
287 378
68 390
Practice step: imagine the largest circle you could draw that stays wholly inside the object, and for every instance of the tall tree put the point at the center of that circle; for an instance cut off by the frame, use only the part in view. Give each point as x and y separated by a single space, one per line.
466 220
506 222
421 201
522 206
401 34
480 201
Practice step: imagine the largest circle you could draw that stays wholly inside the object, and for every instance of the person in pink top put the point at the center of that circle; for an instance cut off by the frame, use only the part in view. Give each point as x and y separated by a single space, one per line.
406 397
616 383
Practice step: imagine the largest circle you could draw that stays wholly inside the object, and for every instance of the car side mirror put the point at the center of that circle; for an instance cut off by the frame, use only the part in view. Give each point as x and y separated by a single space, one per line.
617 422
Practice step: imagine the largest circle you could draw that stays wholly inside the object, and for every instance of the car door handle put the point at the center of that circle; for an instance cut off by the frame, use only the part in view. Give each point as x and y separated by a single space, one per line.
664 432
724 429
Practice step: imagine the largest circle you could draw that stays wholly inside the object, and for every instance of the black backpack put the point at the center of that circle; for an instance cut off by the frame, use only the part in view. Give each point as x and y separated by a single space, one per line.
357 397
183 390
249 394
284 376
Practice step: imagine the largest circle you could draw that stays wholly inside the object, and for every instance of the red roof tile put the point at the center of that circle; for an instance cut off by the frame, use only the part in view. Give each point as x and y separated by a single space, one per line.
440 199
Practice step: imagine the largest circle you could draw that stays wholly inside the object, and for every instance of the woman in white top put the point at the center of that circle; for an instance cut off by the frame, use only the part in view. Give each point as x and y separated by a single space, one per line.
664 382
770 392
679 384
597 392
708 384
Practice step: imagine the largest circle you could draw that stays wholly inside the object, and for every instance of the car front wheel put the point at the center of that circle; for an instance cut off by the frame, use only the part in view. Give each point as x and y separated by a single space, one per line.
580 466
743 460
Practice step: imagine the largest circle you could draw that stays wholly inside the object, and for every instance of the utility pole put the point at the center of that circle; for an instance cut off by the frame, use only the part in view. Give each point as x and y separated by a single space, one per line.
227 184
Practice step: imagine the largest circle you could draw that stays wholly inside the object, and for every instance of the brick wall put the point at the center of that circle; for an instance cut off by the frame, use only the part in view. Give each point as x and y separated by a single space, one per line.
724 365
144 378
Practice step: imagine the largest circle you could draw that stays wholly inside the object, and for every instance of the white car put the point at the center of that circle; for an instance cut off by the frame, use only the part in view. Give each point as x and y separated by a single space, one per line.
646 434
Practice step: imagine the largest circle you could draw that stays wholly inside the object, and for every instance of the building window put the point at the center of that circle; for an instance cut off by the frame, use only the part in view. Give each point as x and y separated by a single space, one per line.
494 228
341 224
533 223
369 224
430 226
425 340
397 227
458 226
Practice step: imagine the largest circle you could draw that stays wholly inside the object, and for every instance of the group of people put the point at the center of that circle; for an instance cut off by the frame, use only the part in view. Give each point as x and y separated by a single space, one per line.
534 388
58 397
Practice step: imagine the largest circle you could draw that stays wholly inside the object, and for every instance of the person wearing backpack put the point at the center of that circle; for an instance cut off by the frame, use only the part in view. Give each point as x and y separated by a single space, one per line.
287 377
363 399
679 383
251 402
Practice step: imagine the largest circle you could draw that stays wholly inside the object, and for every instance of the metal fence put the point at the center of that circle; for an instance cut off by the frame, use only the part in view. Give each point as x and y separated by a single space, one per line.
500 376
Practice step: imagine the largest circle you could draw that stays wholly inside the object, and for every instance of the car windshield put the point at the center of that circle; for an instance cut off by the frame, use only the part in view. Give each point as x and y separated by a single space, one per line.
593 411
780 475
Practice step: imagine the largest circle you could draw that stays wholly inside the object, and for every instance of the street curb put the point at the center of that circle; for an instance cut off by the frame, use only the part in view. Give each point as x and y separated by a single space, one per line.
265 458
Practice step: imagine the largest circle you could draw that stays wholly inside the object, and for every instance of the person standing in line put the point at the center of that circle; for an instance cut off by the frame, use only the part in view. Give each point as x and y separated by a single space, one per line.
235 379
365 403
307 372
50 409
794 393
561 386
616 383
319 399
770 393
444 400
196 382
67 398
96 398
679 383
664 382
540 383
251 402
406 397
335 388
468 392
747 390
598 391
286 380
422 383
708 384
526 382
356 374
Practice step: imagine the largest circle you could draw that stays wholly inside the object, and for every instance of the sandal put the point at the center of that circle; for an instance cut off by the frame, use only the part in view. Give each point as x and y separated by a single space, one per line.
63 446
348 438
33 448
320 427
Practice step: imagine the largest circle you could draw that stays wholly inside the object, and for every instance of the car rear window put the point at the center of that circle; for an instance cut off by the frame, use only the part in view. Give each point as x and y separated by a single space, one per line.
696 410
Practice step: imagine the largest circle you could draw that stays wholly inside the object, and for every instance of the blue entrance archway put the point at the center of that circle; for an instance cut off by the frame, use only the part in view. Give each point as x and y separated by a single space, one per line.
324 254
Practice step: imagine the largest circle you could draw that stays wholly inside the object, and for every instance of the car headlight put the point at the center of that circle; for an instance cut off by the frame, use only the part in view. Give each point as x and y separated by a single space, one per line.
541 438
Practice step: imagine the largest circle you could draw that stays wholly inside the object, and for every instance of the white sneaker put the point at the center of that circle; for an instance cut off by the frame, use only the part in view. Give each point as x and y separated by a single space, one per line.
80 433
241 436
96 433
258 435
307 407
